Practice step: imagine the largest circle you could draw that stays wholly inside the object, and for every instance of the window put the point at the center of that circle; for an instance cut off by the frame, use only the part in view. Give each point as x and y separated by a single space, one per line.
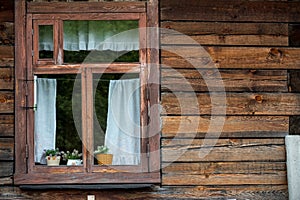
85 86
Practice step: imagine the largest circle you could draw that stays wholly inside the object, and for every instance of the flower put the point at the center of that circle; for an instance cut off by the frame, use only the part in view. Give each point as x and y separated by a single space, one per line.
74 155
101 150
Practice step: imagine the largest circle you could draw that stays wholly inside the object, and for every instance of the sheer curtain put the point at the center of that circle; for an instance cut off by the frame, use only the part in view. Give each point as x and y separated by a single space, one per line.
45 116
123 121
94 35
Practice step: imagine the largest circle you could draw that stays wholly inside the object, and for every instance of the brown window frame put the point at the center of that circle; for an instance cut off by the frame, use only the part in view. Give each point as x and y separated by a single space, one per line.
28 65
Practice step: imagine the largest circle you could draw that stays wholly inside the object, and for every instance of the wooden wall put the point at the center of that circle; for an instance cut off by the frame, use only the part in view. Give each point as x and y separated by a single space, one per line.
6 92
254 45
251 45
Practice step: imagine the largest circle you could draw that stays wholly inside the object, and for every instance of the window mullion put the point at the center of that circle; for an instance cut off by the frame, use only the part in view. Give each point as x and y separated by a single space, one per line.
87 93
58 42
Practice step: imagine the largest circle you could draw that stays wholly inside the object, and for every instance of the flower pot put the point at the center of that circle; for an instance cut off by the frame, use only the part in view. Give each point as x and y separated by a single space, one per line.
74 162
53 160
104 159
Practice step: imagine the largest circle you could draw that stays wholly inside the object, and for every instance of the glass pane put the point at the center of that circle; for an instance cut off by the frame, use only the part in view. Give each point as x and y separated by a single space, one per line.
117 119
45 41
57 124
101 41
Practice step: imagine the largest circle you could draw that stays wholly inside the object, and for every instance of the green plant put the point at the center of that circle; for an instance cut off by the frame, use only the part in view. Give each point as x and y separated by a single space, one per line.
101 150
52 152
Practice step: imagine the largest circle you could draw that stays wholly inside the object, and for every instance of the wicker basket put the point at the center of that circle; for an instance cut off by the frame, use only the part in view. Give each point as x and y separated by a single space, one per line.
104 159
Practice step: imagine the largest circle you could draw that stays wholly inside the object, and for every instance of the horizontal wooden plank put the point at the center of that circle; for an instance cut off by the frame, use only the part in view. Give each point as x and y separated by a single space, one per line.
6 169
87 178
234 126
248 80
7 33
6 78
6 149
223 150
87 7
253 192
6 102
274 192
224 173
233 10
233 103
6 11
230 57
6 125
7 56
5 181
207 168
226 28
278 178
245 40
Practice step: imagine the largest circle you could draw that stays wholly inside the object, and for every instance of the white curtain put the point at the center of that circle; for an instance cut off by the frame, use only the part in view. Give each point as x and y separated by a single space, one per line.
44 116
123 121
94 35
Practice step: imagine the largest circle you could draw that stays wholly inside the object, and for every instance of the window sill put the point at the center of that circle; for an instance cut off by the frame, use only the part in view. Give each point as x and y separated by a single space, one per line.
86 178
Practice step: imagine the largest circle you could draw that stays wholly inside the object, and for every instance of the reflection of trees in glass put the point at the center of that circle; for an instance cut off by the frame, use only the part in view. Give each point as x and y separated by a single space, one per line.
68 137
100 56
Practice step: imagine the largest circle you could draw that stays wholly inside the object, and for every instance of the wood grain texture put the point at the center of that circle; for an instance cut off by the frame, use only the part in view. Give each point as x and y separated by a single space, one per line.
20 62
248 80
253 192
7 33
87 178
237 150
226 39
6 102
6 11
224 173
236 103
235 11
86 7
153 57
208 168
234 126
6 125
231 57
7 56
226 28
275 178
6 78
6 169
6 149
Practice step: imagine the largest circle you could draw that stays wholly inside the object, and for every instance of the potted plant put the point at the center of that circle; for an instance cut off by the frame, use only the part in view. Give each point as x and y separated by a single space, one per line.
74 158
53 157
102 155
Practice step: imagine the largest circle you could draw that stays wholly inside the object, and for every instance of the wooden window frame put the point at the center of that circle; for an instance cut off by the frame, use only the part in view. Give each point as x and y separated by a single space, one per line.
26 172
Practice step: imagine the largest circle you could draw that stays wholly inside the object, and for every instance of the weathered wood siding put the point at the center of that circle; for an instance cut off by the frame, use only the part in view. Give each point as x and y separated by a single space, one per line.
249 44
6 92
254 46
